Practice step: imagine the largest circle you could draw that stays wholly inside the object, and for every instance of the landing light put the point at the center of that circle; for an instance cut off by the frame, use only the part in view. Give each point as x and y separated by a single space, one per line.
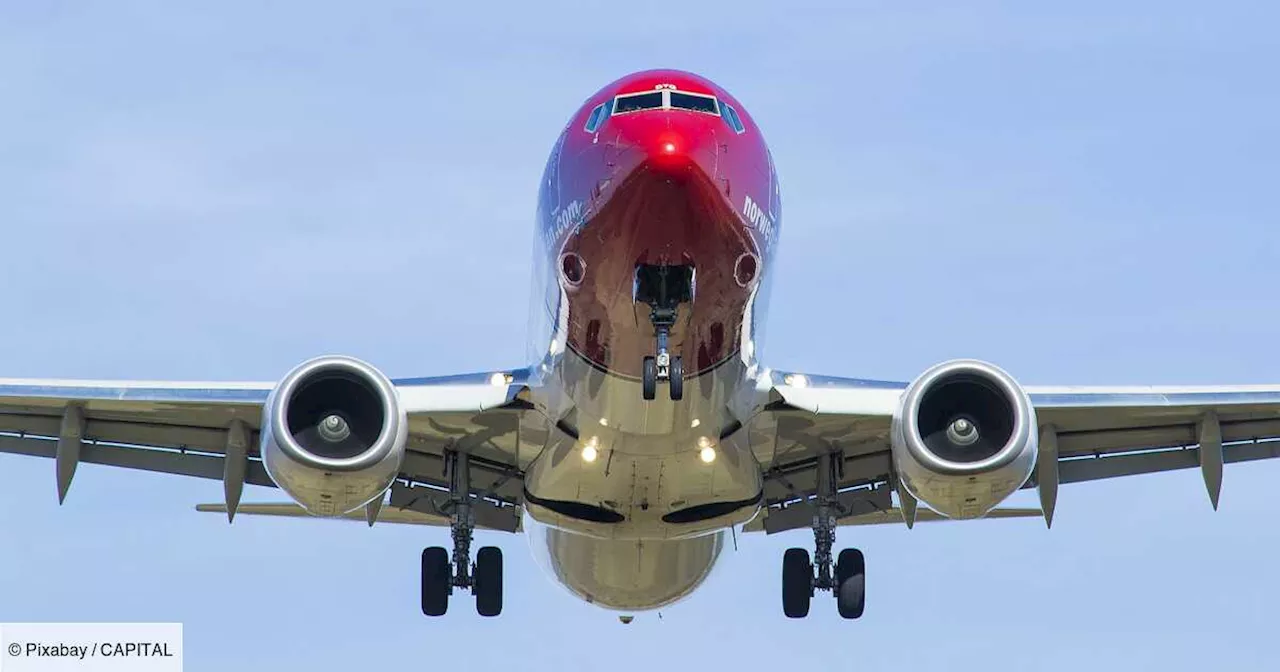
706 449
591 450
500 379
695 422
669 147
796 380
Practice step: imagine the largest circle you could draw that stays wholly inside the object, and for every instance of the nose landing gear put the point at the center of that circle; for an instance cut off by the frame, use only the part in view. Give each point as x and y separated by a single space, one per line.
663 288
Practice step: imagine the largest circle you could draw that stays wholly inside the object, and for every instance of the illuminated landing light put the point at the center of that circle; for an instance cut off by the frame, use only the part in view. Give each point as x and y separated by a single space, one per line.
695 422
591 450
669 148
500 379
707 450
796 380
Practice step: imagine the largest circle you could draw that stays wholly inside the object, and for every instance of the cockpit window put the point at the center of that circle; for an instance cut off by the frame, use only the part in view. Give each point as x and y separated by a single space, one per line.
638 101
690 101
598 114
731 118
593 120
668 99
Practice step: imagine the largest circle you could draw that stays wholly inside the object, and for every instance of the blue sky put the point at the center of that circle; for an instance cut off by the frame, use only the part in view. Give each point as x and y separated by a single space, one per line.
1080 192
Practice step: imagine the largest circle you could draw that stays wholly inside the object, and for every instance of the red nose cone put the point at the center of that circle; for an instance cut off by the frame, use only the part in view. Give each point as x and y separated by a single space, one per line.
668 149
675 142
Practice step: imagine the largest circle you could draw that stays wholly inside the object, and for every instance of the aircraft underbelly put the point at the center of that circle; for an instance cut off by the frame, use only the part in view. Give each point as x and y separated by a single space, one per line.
635 469
625 574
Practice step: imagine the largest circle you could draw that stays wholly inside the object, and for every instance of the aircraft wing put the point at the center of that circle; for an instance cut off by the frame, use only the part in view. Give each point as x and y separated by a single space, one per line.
1086 433
189 429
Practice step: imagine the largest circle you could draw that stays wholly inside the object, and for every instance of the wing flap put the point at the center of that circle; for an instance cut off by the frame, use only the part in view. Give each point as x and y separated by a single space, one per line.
1079 469
893 516
290 510
183 463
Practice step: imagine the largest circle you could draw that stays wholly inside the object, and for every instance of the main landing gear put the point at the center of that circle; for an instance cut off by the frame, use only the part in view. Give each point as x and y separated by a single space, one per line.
848 580
440 574
664 288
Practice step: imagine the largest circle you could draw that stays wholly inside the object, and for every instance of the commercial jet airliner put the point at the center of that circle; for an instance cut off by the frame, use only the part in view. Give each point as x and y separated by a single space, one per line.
647 424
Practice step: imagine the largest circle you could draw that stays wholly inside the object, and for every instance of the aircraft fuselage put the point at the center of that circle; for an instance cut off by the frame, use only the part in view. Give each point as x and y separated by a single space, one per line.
659 195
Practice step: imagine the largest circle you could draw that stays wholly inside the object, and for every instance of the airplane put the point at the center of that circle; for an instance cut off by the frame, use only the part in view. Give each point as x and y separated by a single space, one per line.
646 426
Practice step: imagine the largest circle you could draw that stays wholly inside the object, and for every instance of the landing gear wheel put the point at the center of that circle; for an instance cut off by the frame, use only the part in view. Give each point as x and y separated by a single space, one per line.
488 581
851 583
437 577
649 378
797 583
677 378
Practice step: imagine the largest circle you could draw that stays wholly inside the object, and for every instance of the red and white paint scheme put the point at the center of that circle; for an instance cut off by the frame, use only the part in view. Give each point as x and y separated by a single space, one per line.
646 426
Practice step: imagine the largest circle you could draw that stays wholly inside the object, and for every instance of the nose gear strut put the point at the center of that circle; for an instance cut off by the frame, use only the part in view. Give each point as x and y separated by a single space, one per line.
663 288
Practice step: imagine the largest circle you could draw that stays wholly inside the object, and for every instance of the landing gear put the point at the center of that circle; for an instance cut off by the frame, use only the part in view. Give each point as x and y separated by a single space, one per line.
797 582
664 288
851 583
675 378
437 578
440 574
651 373
488 581
848 580
649 379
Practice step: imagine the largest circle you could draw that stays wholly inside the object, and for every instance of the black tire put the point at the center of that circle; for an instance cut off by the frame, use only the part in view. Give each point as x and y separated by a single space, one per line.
797 583
488 581
437 577
649 378
851 583
677 379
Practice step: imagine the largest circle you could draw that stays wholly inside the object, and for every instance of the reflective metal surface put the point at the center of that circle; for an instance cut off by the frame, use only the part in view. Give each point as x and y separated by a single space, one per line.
331 485
626 575
942 474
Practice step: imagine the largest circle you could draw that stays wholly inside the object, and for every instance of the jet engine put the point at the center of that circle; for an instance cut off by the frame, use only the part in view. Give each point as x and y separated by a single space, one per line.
333 434
964 438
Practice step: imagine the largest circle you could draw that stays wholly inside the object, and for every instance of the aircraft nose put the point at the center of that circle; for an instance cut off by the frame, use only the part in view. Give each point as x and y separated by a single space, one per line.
671 142
669 149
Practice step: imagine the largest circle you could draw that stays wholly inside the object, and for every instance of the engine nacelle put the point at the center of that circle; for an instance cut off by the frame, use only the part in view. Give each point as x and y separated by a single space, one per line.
333 434
964 438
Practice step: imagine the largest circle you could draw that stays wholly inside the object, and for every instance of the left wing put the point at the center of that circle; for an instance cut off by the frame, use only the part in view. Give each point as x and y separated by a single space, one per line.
1086 433
210 430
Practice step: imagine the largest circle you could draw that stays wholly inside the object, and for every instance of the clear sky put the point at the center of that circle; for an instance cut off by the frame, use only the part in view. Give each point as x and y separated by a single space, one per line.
1083 193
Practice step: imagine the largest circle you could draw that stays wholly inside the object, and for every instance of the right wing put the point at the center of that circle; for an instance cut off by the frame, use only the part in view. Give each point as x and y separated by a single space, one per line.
1096 433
